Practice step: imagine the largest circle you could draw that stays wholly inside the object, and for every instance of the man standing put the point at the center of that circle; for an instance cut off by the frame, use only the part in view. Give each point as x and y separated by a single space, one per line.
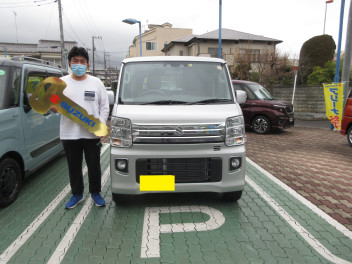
90 93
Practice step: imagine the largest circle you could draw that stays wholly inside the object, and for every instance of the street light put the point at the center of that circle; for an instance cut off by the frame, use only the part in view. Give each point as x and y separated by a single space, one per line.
132 21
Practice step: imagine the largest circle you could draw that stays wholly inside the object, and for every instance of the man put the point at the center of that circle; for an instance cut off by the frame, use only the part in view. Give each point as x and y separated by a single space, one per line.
90 93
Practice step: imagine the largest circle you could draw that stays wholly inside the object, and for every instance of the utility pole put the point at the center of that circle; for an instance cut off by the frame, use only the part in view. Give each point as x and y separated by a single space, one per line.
346 68
105 67
220 27
93 37
63 60
16 25
93 55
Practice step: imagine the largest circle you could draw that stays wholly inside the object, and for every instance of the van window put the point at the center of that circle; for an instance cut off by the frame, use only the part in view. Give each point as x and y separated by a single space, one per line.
32 81
146 82
15 88
260 92
4 75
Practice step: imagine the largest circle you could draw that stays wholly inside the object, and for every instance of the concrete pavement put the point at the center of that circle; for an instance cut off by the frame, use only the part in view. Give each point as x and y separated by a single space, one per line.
316 162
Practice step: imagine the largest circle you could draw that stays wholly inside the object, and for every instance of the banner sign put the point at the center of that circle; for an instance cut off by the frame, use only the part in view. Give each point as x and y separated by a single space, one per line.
50 93
333 94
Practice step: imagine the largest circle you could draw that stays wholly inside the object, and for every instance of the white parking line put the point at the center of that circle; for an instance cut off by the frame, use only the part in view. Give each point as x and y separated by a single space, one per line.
71 233
303 200
308 237
152 229
28 232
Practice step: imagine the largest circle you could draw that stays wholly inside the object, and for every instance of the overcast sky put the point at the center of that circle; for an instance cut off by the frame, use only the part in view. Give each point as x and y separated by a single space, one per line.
292 21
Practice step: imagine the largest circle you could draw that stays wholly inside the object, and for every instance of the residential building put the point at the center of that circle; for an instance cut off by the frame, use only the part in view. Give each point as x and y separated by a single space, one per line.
236 46
48 50
155 39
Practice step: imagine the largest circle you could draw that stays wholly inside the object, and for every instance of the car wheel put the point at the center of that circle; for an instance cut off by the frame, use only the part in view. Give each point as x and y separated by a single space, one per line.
120 199
231 196
349 135
261 125
10 181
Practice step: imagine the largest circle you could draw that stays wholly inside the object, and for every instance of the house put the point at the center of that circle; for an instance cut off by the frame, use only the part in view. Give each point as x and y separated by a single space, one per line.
155 39
236 46
48 50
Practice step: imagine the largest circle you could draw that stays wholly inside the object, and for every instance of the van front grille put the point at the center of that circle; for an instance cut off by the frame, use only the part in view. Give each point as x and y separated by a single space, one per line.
176 134
193 170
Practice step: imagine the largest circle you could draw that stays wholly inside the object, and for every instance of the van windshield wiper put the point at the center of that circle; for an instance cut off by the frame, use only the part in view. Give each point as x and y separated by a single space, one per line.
211 101
165 102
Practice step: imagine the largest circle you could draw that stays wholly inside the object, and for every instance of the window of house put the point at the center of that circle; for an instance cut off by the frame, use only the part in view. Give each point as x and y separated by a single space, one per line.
213 52
181 53
251 55
151 45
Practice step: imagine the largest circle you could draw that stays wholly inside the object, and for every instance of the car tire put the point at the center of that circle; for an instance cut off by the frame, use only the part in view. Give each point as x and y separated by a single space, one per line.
349 135
261 125
10 181
120 199
231 196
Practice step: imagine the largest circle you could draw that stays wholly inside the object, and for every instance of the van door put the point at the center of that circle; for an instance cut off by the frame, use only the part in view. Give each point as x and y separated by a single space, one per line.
41 132
11 132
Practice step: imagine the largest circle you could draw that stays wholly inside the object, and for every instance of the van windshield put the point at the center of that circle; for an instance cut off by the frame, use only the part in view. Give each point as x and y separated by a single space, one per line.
4 74
175 83
259 92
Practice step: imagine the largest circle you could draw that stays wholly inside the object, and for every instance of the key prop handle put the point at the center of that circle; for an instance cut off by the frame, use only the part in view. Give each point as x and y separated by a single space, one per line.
53 96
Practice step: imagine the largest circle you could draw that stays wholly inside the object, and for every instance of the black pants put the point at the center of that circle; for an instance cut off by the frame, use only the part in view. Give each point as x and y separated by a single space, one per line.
74 150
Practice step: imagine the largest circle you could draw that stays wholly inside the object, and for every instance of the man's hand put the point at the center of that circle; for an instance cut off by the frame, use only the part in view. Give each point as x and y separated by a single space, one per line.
54 109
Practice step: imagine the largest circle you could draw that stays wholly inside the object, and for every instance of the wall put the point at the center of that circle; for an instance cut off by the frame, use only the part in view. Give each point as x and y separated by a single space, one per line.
309 101
160 35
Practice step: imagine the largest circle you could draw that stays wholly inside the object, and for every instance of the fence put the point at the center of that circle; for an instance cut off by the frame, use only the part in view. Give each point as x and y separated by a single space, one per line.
309 101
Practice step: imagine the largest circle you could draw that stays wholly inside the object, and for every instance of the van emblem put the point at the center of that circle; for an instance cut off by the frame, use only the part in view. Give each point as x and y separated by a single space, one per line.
178 131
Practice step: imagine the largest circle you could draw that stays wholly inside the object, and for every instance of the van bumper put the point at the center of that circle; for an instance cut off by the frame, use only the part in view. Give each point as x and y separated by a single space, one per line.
228 181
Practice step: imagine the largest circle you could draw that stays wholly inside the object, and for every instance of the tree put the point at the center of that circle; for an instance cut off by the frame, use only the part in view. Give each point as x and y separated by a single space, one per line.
322 74
268 68
315 52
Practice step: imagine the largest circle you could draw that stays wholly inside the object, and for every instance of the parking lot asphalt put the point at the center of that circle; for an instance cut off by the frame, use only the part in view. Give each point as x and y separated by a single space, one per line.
271 223
311 159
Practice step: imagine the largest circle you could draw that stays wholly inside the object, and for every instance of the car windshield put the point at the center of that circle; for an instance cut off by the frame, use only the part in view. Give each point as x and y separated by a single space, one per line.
4 74
175 83
259 92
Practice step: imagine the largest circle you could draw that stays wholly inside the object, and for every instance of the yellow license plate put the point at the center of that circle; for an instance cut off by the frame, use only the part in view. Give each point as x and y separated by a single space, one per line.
153 183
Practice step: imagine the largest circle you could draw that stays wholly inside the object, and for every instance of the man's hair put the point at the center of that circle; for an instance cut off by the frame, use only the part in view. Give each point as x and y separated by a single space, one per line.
78 51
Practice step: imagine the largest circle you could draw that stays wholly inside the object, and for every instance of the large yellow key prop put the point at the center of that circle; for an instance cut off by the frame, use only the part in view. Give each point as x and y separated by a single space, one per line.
54 96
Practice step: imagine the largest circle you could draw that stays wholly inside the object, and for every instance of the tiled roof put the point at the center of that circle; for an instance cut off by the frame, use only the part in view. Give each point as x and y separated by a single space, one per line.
42 46
185 39
229 34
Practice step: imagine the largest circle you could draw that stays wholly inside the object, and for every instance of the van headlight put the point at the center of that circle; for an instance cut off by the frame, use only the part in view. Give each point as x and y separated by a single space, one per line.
121 132
235 132
280 108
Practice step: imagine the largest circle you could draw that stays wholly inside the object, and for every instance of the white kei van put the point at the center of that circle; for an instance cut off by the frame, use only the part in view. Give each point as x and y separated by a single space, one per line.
177 116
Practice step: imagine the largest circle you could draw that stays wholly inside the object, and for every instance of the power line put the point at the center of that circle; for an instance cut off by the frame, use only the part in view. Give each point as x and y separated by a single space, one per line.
86 21
72 30
47 29
27 4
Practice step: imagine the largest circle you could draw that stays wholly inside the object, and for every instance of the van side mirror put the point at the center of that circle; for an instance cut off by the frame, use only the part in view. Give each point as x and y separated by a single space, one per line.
241 96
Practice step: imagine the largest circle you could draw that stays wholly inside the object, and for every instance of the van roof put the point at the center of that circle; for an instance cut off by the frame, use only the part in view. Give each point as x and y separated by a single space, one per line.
173 58
17 61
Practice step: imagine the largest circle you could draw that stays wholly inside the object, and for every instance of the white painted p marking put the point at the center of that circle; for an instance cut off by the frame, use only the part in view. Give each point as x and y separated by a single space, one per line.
152 228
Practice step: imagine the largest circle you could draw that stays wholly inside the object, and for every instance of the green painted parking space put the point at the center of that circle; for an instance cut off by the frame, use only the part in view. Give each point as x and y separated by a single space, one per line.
269 224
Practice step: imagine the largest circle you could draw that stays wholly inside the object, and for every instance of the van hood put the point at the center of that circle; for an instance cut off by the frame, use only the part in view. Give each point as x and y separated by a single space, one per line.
180 114
269 102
